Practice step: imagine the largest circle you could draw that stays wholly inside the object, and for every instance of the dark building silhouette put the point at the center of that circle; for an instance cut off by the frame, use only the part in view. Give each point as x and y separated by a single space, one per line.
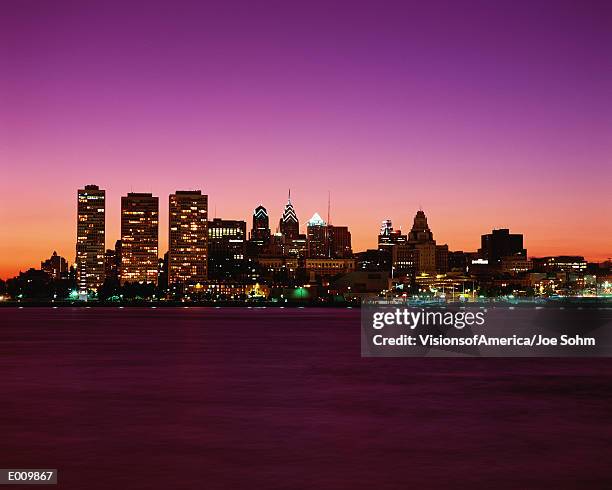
442 258
459 261
420 232
260 232
112 261
289 226
56 266
405 260
295 247
340 242
560 263
162 276
373 261
226 249
499 244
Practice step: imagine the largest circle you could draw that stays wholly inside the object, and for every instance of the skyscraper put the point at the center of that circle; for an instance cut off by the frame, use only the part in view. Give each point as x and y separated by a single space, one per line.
289 225
226 249
421 239
317 233
188 241
90 239
339 242
420 232
139 238
260 233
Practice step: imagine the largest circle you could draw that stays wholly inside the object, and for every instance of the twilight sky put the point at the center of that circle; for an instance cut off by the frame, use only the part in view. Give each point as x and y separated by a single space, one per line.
486 114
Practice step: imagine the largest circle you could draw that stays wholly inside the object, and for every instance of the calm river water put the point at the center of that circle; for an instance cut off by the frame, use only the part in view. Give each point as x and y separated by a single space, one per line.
174 398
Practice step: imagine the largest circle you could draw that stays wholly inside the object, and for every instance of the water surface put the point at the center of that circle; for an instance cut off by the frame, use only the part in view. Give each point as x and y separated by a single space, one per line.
280 398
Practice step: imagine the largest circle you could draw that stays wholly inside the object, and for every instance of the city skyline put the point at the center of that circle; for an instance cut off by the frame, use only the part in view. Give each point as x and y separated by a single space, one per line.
500 119
92 211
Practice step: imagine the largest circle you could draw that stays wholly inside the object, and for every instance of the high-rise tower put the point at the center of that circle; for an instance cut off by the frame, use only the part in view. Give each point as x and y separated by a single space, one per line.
188 243
421 239
90 239
289 225
420 232
226 249
260 233
317 233
139 238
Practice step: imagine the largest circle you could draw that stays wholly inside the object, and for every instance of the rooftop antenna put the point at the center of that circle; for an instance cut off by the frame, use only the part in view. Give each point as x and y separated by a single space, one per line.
328 207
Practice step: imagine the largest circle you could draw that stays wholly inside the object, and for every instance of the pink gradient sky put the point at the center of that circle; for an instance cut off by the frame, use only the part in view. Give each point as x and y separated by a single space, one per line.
486 114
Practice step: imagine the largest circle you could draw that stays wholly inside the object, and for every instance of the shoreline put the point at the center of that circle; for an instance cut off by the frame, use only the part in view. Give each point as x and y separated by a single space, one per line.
588 302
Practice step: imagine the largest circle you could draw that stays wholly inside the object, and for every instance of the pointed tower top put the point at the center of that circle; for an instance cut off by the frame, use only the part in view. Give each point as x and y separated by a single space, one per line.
316 220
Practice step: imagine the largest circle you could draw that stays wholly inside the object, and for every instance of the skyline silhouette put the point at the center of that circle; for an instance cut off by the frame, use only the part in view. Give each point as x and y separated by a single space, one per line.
489 115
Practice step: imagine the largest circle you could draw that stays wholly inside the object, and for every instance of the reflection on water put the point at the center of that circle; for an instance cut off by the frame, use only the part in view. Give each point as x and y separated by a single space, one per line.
280 398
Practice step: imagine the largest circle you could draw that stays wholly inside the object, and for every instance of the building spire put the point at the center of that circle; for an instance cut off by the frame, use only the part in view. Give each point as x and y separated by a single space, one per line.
289 199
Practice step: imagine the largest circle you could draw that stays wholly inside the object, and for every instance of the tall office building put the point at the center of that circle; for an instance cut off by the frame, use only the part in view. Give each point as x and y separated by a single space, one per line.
339 242
226 249
296 247
317 233
289 225
139 238
260 233
421 239
188 240
420 232
90 239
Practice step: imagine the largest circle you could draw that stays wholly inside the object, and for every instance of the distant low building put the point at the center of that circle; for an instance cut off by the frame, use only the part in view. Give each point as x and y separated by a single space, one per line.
373 261
405 260
326 267
560 263
360 282
56 266
515 264
459 261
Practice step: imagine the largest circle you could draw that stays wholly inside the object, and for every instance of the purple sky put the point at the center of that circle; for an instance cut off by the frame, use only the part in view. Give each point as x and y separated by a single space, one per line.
487 114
